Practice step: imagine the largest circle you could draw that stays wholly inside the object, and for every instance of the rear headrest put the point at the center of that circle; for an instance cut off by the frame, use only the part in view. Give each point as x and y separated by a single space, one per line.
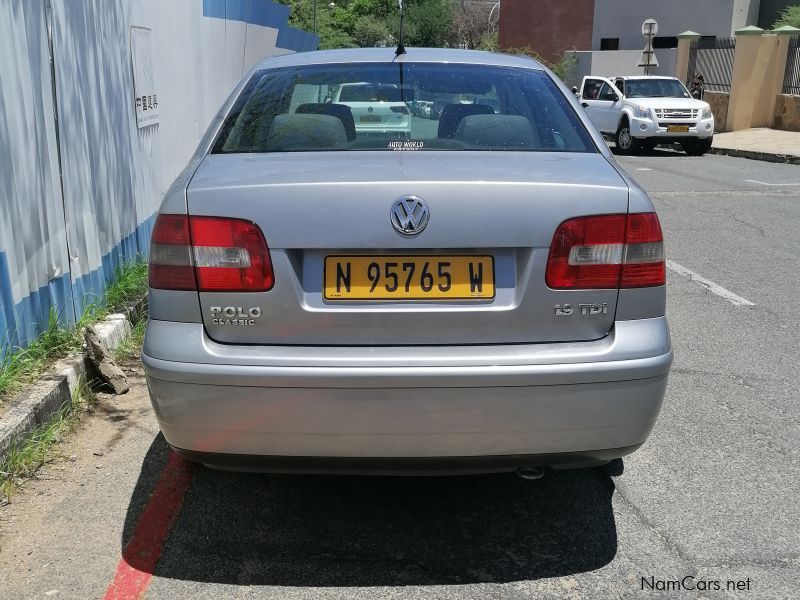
497 132
305 132
340 111
452 114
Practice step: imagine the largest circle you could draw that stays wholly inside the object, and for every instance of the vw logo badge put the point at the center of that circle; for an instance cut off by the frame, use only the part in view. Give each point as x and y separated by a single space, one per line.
409 215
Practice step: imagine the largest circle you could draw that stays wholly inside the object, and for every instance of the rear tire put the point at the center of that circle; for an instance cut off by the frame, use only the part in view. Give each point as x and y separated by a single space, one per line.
697 147
626 144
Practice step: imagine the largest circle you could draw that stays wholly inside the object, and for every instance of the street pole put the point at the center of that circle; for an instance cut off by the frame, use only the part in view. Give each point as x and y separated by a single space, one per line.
649 60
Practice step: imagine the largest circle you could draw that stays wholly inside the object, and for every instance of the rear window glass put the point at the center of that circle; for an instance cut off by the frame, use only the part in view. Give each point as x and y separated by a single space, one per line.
368 92
401 106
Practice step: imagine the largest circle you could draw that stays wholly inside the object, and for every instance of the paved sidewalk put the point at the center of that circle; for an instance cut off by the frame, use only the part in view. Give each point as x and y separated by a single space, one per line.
772 145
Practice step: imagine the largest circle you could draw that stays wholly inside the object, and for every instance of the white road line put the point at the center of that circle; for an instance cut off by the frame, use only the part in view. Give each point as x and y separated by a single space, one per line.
772 184
709 285
643 169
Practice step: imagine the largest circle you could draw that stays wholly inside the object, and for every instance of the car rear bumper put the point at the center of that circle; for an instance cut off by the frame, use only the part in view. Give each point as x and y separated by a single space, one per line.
501 406
456 465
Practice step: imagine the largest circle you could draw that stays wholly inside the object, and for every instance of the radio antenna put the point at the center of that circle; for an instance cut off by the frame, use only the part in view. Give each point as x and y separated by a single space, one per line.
401 49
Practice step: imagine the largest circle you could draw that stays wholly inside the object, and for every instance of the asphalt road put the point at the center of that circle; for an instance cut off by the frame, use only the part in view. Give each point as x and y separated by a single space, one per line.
713 495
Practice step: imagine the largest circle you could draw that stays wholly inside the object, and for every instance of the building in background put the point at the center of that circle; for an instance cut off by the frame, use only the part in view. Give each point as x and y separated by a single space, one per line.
552 27
607 34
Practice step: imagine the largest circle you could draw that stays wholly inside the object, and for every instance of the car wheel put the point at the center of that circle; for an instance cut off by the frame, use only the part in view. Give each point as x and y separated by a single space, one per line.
626 144
697 147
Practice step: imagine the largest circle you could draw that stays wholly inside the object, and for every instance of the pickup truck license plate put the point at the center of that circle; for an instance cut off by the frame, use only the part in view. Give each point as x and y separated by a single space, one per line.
677 129
392 277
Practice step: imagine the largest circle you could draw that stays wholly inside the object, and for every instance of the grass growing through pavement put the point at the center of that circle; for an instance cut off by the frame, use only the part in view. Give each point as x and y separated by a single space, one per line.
22 366
23 459
130 347
26 364
128 285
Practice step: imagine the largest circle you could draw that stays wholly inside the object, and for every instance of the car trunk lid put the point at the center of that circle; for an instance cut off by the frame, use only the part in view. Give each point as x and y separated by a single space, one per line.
504 206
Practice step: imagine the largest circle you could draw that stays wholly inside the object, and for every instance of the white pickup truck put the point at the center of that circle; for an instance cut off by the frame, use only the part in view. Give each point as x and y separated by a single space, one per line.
639 112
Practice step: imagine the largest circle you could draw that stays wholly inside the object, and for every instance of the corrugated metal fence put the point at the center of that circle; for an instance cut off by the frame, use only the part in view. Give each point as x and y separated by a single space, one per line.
713 59
79 182
791 79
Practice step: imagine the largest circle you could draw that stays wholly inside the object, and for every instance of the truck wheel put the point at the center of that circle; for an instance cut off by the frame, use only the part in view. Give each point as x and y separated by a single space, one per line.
697 147
626 144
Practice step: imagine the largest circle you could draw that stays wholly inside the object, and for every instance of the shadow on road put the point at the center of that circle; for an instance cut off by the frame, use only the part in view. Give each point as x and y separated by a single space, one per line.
665 151
372 531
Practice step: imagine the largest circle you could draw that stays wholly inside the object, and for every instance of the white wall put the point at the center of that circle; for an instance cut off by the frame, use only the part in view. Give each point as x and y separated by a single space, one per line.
623 18
57 251
32 243
608 63
745 12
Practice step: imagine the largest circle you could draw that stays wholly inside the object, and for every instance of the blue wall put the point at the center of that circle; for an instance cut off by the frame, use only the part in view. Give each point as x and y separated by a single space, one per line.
64 223
266 14
20 323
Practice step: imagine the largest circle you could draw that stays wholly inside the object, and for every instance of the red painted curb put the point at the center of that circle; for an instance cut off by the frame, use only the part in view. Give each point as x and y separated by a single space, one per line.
140 556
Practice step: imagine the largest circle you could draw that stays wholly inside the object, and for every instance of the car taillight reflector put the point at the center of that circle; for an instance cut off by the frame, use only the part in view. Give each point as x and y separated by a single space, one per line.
607 251
170 254
230 255
209 254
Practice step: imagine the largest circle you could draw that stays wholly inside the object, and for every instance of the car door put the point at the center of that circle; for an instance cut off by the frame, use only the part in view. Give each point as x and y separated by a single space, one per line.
601 100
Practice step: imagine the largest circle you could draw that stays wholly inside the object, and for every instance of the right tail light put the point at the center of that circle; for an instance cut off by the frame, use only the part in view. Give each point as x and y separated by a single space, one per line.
607 251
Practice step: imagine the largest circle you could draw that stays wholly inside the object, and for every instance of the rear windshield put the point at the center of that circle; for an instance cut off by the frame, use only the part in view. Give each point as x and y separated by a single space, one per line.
401 106
369 92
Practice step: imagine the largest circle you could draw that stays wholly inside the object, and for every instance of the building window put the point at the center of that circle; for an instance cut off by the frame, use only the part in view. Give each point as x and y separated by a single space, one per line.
665 42
609 44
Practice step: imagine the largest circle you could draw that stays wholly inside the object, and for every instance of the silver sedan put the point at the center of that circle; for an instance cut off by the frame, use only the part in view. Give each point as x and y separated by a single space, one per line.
483 292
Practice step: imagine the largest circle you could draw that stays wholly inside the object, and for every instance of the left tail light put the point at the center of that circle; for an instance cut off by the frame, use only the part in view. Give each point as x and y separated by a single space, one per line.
209 254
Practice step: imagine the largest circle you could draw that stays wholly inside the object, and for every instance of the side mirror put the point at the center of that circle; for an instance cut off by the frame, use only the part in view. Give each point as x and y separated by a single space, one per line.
616 97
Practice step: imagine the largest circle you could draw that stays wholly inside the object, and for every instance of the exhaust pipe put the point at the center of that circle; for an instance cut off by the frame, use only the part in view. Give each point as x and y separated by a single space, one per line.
530 473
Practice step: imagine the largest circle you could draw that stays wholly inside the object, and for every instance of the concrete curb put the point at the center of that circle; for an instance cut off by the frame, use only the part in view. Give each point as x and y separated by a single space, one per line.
40 402
789 159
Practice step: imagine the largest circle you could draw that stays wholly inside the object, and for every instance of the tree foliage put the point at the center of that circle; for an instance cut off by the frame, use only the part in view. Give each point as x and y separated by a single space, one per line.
471 25
789 16
348 23
428 23
370 31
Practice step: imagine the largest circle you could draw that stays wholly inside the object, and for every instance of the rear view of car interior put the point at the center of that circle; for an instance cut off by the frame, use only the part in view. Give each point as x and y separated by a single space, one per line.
337 108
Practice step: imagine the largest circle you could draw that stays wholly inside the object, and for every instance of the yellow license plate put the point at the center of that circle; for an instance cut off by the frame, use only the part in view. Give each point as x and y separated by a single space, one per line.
677 128
409 277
